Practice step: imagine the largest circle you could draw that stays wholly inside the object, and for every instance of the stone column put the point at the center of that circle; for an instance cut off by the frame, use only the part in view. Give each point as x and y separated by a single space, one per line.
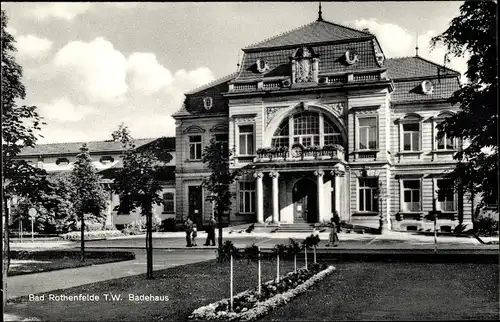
319 177
337 174
260 197
274 175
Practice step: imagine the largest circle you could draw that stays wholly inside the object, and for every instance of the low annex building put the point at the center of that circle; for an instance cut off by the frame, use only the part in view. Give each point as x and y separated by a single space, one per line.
320 121
106 156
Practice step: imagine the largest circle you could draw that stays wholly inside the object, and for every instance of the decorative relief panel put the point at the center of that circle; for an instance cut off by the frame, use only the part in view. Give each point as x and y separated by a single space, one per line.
271 112
338 108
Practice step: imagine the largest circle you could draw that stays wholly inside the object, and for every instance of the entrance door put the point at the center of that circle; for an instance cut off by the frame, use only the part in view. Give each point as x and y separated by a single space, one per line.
305 201
195 196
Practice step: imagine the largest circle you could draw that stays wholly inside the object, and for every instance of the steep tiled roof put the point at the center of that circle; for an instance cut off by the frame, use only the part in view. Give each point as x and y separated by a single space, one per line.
407 67
74 147
330 59
314 32
405 91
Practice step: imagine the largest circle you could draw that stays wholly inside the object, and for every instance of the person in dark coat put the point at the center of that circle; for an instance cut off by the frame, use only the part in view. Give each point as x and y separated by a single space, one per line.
334 238
211 231
188 224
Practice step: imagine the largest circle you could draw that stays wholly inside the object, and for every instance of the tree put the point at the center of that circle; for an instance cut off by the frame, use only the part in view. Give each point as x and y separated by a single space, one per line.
473 32
89 196
137 182
216 157
19 125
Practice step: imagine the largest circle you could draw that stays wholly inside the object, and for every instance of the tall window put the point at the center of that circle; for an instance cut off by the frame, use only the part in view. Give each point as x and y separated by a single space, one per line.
246 140
247 197
411 195
445 143
195 147
224 140
367 192
411 137
446 195
307 130
368 133
168 202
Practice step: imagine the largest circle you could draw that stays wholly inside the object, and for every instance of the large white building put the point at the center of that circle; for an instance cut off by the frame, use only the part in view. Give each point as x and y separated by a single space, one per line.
321 121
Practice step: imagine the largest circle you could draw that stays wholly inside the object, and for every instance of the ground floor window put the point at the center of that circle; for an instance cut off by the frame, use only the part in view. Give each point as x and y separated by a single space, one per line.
446 195
367 194
247 197
411 195
168 203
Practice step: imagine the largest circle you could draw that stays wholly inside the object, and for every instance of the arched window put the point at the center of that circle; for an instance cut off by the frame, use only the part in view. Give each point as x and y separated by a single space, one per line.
308 129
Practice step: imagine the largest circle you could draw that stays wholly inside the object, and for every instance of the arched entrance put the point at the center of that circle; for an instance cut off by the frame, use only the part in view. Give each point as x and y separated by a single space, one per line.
305 201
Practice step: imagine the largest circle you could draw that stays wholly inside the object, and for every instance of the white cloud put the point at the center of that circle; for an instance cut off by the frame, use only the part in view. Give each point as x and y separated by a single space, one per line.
95 67
399 42
32 46
60 10
193 78
63 110
146 74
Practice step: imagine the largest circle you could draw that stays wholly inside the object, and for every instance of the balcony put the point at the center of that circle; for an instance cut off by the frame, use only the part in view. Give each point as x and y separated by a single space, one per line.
299 153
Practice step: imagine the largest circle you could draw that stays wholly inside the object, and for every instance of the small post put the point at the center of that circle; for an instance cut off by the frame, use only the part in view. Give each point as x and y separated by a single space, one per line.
260 277
305 255
314 254
231 284
295 263
278 267
21 228
435 224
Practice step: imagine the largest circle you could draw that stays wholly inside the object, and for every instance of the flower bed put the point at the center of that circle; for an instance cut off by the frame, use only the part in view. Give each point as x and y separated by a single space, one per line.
92 235
249 305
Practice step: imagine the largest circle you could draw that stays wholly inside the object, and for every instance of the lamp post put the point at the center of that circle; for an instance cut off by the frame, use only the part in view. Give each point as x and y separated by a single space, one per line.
32 213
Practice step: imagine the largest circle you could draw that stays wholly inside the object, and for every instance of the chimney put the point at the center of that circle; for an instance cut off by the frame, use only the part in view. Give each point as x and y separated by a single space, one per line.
366 30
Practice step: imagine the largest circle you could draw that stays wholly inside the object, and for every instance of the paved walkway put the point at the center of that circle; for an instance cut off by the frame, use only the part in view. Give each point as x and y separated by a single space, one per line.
23 285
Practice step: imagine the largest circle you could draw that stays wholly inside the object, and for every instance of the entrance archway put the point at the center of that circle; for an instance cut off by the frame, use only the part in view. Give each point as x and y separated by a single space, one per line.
305 201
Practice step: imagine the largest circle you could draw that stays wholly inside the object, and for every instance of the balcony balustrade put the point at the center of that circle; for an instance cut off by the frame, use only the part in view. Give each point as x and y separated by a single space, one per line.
307 153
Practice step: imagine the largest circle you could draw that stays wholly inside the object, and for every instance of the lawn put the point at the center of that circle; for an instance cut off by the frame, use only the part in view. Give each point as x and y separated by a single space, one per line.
356 291
29 262
187 288
399 291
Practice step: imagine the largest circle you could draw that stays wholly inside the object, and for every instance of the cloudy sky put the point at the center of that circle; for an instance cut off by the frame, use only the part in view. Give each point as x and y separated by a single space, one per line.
91 66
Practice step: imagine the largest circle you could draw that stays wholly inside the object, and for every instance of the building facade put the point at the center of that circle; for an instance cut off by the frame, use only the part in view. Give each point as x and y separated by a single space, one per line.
106 156
321 122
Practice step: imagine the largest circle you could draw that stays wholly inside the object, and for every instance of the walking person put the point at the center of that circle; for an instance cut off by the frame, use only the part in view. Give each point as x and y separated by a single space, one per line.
333 238
211 231
194 234
188 224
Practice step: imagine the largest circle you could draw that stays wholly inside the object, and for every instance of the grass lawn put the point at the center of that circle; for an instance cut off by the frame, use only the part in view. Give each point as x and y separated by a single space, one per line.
356 291
187 287
398 291
29 262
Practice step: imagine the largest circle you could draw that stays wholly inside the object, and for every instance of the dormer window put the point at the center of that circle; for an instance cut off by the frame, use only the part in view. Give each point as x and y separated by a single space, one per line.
427 87
208 102
106 159
351 57
62 161
262 65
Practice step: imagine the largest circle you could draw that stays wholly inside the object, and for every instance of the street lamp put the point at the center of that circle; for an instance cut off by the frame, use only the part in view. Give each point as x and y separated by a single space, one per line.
32 213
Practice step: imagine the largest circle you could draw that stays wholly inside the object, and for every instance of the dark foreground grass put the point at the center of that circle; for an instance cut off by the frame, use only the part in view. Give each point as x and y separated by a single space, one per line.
187 288
356 291
30 262
399 292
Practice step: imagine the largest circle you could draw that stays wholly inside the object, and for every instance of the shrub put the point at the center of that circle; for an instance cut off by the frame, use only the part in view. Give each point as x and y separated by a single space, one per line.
168 225
487 226
92 235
